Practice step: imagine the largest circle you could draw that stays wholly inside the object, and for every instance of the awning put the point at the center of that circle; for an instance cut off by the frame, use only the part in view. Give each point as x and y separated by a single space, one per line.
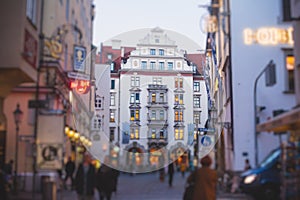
285 122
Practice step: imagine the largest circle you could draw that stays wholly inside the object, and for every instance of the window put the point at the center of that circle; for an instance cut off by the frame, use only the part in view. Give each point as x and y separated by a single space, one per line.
170 65
161 52
111 134
197 119
153 115
152 52
153 133
196 102
178 82
98 102
161 134
286 10
157 80
161 97
112 116
290 67
67 10
134 133
112 99
196 86
144 65
178 99
153 97
109 56
134 115
161 115
97 122
134 98
178 116
31 10
112 66
135 81
152 65
112 84
178 134
161 65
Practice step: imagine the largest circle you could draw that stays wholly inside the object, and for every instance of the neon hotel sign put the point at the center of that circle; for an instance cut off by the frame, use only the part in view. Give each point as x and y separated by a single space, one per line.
268 36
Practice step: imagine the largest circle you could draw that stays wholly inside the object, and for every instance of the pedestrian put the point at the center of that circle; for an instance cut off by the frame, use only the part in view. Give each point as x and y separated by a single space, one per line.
3 185
247 165
70 168
8 168
182 169
85 179
204 180
105 182
171 173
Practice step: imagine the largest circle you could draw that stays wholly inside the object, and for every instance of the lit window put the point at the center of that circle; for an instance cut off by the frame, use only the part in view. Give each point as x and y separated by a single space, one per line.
178 134
112 116
153 133
178 116
134 133
153 97
134 98
178 82
290 67
134 115
179 99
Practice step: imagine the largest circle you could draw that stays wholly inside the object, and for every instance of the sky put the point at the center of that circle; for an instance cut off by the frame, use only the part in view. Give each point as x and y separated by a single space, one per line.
114 17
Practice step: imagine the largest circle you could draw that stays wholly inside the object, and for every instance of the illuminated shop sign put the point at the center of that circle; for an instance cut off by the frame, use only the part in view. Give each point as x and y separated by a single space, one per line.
81 86
269 36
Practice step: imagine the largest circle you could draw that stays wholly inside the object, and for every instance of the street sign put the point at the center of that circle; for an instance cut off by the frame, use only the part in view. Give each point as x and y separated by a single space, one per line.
38 104
206 129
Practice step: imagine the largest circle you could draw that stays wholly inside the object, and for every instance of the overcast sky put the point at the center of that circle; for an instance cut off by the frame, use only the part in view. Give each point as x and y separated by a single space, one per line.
118 16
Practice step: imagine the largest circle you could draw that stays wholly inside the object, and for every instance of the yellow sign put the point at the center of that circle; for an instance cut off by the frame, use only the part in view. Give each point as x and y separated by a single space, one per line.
269 36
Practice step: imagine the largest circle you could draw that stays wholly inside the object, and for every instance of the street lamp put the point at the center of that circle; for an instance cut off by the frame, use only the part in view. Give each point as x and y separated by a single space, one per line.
18 114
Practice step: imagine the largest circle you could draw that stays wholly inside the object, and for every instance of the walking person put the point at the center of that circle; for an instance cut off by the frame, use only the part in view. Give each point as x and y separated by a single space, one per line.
171 173
247 165
105 182
85 179
70 169
205 181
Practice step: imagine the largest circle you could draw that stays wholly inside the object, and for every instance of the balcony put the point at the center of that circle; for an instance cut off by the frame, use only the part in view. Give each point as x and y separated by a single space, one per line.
158 142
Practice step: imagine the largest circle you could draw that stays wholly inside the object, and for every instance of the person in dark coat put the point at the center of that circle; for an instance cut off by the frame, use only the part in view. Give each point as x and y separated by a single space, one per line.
171 173
85 179
205 181
3 192
70 168
105 182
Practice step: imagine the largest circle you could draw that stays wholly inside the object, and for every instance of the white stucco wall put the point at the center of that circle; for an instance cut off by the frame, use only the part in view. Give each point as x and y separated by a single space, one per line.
247 62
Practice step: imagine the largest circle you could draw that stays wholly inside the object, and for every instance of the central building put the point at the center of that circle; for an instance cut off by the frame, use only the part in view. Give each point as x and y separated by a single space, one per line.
157 99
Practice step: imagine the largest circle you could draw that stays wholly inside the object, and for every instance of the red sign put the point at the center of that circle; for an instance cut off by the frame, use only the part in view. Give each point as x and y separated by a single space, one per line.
81 86
30 49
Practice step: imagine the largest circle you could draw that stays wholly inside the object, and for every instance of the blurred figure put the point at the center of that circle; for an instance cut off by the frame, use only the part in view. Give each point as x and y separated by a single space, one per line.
182 168
85 179
105 182
70 168
171 169
247 165
205 181
3 189
8 168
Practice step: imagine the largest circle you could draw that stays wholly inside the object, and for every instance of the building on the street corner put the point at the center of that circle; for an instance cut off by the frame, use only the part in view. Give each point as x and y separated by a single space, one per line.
154 86
241 47
47 69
